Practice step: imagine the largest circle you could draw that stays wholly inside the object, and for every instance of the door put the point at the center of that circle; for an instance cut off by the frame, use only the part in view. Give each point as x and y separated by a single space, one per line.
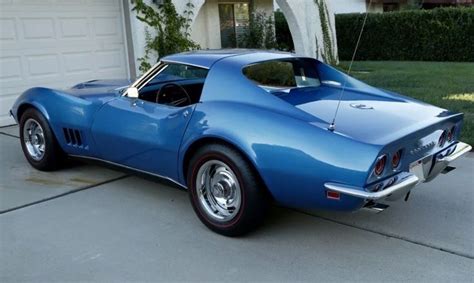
227 26
140 134
145 132
58 44
234 22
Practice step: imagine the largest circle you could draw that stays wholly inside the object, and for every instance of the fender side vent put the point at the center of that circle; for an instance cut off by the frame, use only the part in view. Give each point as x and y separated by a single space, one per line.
73 137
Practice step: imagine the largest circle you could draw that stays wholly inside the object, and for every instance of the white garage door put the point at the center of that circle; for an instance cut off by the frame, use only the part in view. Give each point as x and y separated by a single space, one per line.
58 43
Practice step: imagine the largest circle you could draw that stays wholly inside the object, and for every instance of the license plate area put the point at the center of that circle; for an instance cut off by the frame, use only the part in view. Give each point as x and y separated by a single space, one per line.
421 167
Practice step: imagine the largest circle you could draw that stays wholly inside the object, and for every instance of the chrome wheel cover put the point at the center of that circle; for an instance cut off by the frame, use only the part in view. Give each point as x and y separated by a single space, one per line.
33 138
218 191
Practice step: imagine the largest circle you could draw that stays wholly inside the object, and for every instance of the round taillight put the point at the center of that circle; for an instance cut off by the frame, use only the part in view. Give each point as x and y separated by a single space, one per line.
451 133
396 159
380 165
442 139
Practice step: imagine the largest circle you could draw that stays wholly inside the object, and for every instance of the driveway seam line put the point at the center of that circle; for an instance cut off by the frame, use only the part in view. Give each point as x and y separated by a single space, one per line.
7 126
64 194
390 235
9 135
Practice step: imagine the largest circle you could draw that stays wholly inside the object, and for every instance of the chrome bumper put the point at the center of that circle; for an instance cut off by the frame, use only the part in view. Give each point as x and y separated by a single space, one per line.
461 149
407 180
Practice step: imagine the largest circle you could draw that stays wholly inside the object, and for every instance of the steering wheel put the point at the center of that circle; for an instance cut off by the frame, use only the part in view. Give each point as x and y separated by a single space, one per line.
174 95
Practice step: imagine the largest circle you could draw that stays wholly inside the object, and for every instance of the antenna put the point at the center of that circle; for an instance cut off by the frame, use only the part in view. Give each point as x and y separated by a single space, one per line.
332 126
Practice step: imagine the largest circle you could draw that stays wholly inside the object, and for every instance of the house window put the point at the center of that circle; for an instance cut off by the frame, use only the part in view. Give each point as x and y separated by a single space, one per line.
234 20
390 7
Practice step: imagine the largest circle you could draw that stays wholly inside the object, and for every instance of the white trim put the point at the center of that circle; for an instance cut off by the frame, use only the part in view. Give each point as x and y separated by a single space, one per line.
128 40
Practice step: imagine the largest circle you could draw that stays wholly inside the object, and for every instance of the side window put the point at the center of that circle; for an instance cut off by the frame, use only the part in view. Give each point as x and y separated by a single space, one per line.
175 85
272 74
289 73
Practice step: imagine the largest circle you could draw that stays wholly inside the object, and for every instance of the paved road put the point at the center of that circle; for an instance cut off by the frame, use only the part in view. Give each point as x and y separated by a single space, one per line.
92 224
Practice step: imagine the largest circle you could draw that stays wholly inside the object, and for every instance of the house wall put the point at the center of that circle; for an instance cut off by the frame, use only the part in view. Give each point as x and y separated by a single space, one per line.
351 6
305 26
354 6
138 35
302 16
205 29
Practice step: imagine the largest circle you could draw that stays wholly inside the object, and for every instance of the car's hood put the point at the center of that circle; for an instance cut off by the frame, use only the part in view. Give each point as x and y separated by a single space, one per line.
374 117
97 89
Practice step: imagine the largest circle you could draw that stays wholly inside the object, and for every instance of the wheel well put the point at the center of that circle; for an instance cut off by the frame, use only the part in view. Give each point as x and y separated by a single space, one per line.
208 140
22 110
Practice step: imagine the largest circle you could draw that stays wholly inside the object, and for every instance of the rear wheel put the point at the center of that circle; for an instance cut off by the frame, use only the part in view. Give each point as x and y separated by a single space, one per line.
225 191
38 142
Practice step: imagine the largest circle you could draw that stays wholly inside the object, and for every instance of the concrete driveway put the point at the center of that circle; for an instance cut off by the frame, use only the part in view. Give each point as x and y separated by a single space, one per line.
88 223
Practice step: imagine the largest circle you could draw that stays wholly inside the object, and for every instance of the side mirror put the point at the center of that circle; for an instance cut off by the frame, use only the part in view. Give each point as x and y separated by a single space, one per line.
132 92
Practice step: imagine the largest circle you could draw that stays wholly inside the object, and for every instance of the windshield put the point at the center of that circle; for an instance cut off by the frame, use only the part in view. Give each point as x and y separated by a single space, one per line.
177 72
280 75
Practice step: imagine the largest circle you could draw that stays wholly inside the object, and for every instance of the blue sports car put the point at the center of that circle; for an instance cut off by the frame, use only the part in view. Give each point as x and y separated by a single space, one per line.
240 128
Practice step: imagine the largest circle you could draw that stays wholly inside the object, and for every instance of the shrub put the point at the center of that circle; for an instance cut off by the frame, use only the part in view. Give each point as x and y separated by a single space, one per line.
445 34
260 32
172 30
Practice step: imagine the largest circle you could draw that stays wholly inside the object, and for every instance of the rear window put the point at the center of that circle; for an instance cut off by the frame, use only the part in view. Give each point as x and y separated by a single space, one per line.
283 74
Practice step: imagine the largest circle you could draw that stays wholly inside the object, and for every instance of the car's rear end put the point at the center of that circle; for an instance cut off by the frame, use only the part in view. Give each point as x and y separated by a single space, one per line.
402 164
381 145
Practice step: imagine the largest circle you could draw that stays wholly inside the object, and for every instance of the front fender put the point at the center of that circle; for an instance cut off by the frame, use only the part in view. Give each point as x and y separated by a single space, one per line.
61 111
294 157
30 97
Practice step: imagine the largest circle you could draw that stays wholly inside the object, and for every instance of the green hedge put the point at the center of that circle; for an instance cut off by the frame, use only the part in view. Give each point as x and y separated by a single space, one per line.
445 34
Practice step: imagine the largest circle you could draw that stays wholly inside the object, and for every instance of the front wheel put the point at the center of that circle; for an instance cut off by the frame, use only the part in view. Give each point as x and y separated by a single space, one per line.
38 142
225 191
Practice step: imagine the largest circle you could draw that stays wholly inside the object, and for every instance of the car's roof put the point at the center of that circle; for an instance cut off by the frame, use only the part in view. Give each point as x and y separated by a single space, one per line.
206 58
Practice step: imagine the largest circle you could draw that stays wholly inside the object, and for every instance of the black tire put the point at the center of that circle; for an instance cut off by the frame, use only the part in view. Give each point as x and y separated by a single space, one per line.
254 199
53 156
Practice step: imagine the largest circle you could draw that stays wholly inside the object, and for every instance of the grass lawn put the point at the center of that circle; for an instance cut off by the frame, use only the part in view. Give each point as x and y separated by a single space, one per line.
444 84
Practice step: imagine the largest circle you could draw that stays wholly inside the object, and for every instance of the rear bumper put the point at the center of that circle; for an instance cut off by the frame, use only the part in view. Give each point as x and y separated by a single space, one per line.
433 165
404 185
461 149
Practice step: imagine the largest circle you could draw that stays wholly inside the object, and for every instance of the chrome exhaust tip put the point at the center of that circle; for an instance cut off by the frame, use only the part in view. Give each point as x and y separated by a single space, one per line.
375 207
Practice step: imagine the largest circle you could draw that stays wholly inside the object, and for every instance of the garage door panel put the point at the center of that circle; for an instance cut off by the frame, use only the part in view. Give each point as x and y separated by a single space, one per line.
10 69
57 44
78 61
107 26
111 3
74 27
33 2
106 60
7 30
7 100
43 65
66 81
38 28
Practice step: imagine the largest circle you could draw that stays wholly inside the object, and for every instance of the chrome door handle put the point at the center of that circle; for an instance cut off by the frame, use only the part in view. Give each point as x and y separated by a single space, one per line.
186 113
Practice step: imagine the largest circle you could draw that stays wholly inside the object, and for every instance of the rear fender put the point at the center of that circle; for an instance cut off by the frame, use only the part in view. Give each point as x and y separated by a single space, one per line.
293 157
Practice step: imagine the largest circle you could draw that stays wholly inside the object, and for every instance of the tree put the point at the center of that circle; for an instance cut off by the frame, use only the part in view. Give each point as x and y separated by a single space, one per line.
171 31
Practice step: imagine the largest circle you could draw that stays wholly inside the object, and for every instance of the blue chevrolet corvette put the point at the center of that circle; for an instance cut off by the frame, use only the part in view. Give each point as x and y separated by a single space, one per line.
240 128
